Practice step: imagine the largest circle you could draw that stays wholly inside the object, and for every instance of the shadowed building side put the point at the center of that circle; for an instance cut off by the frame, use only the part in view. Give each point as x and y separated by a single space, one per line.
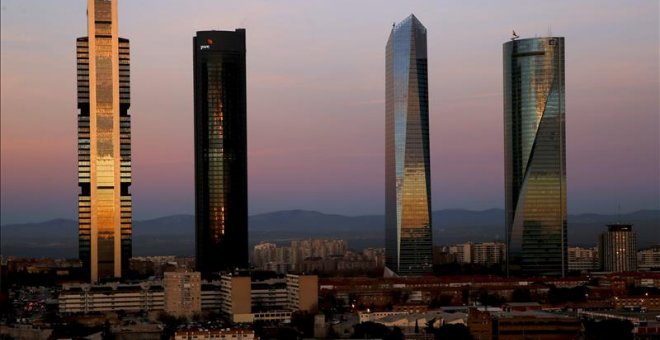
535 156
408 238
220 151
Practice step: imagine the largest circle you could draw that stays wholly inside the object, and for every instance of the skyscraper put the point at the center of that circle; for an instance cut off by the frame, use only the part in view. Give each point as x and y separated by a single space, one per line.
535 156
220 151
617 248
104 145
408 238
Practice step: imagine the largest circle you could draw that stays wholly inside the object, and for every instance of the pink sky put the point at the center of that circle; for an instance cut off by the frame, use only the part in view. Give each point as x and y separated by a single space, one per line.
316 101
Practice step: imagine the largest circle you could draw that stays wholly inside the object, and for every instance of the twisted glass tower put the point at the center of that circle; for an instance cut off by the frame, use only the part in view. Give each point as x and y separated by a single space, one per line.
104 145
408 239
535 156
220 151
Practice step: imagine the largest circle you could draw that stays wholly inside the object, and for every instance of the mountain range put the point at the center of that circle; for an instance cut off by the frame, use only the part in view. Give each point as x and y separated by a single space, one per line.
174 235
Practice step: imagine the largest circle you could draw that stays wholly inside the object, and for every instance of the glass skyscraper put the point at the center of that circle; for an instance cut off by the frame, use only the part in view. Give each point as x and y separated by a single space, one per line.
220 151
535 156
104 145
408 238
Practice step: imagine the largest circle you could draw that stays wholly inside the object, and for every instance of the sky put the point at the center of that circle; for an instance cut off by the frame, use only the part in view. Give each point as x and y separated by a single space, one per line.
316 112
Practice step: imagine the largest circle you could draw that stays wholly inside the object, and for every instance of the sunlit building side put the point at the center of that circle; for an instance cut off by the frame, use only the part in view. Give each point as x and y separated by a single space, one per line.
408 238
104 145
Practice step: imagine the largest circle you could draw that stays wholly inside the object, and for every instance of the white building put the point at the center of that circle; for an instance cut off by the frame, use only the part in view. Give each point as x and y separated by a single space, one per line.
486 253
86 298
248 298
649 259
583 259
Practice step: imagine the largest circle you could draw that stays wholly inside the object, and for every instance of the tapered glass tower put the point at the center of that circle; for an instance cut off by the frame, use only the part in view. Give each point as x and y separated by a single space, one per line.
220 151
535 156
408 238
104 145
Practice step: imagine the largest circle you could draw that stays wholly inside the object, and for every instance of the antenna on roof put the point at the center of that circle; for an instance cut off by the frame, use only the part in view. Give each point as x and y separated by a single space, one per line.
549 30
393 25
514 35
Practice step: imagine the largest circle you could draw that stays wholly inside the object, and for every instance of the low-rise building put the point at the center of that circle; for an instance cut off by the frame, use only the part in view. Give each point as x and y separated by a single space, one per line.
488 253
87 298
649 259
512 325
484 253
408 320
315 255
203 334
247 297
583 259
644 302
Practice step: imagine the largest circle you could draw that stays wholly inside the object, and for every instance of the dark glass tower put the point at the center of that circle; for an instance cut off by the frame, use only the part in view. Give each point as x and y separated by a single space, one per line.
535 156
408 240
220 151
104 145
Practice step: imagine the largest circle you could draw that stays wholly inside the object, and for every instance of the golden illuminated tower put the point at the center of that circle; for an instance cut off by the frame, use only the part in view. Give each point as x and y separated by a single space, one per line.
104 145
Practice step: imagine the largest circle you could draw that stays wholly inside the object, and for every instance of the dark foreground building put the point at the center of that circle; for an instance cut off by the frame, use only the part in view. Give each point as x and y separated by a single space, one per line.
408 241
104 145
535 156
220 151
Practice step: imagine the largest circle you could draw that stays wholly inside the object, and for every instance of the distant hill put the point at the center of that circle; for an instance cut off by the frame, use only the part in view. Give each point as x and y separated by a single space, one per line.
175 234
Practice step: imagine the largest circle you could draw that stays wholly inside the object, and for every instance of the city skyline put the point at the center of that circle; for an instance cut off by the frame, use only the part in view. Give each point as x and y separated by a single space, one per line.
600 135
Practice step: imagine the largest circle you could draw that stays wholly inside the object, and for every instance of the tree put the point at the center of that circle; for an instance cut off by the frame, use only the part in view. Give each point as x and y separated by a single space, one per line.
608 329
395 334
521 295
452 332
370 330
303 322
560 295
286 333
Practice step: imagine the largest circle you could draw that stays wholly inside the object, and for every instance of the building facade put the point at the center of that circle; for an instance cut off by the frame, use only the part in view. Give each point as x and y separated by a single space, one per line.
408 238
267 296
213 334
183 293
535 156
311 255
104 145
220 150
583 259
244 298
617 248
482 253
461 252
85 298
488 253
649 259
484 324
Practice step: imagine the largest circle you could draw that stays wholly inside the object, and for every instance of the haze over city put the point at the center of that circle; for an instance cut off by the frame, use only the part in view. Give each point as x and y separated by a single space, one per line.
315 75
